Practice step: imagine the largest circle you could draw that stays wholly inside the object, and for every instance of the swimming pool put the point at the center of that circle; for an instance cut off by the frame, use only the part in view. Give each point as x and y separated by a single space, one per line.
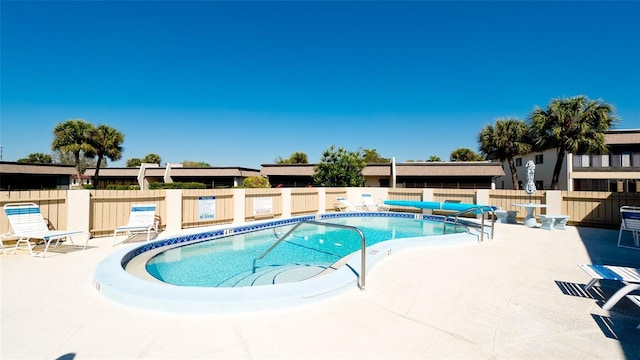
309 250
215 271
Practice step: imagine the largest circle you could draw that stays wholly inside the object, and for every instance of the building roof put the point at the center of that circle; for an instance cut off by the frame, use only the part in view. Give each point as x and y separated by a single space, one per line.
463 168
287 169
622 137
476 168
176 171
7 167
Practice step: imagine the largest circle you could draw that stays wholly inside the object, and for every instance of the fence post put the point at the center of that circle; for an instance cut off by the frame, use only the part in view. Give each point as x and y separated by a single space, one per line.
78 210
238 206
482 197
286 202
322 200
173 198
427 195
554 202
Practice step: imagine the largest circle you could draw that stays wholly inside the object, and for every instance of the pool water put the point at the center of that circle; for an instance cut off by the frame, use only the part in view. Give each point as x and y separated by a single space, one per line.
311 249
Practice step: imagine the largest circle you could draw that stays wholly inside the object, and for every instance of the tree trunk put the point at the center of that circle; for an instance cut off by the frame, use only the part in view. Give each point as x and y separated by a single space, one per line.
96 176
76 156
557 168
514 174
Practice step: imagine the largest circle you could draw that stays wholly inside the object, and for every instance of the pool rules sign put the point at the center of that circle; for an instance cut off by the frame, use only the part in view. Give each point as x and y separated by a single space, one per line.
262 206
206 207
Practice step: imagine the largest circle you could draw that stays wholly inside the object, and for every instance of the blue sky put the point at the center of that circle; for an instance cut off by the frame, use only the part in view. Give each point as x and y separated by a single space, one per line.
243 83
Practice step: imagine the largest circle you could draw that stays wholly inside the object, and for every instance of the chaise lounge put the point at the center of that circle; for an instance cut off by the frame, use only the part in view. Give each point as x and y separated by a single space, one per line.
141 220
630 277
27 223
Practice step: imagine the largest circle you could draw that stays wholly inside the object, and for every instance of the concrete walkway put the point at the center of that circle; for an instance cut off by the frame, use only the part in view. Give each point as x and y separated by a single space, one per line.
518 296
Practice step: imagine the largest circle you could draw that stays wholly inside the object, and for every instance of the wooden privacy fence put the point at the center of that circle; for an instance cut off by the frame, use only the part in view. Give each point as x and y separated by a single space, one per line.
304 201
109 209
597 209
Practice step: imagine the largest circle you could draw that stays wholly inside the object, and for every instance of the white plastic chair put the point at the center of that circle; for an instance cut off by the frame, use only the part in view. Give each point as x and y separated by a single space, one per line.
630 216
370 205
27 223
141 219
345 205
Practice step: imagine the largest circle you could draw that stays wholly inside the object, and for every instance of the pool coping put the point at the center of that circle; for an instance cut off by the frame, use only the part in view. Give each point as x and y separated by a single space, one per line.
113 282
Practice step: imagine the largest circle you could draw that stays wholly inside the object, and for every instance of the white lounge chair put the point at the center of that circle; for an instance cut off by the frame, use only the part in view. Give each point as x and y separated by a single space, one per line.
345 205
369 204
27 223
141 219
630 277
630 216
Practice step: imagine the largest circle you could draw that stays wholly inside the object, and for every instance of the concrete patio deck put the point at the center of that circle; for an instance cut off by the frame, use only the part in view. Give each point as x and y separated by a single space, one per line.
517 296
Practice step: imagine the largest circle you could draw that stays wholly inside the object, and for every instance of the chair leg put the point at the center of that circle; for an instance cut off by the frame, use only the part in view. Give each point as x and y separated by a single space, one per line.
619 295
46 247
591 283
619 236
27 244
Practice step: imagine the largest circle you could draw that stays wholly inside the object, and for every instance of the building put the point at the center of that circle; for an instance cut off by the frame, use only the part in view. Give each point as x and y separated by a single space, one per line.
455 175
616 171
212 177
21 176
452 175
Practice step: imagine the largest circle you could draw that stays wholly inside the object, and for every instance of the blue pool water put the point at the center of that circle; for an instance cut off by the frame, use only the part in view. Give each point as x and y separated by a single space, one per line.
230 261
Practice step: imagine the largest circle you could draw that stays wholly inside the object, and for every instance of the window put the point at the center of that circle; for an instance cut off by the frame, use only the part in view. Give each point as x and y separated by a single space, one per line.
585 160
582 161
577 161
539 159
616 160
626 159
605 160
518 161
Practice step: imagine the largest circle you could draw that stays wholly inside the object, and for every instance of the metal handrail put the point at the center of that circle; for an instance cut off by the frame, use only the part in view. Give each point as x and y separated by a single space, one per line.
363 256
483 209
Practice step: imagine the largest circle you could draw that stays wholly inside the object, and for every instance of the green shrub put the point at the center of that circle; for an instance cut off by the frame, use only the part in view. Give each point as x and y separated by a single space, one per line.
176 185
123 187
256 182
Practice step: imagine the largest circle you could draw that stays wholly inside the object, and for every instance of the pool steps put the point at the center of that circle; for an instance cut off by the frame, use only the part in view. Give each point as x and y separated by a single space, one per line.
270 275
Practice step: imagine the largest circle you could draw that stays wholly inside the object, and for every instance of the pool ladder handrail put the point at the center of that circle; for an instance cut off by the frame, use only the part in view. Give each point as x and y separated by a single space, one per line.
363 255
483 210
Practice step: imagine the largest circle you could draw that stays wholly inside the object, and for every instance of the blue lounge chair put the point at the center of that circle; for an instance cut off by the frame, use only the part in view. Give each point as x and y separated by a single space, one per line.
142 219
27 223
630 277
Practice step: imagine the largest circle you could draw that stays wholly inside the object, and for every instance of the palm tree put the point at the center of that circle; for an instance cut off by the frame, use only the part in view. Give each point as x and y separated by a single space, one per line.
152 158
74 136
507 138
572 125
299 158
107 142
464 154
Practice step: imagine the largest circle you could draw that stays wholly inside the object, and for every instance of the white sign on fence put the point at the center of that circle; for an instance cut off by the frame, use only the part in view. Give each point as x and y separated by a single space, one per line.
206 207
262 206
